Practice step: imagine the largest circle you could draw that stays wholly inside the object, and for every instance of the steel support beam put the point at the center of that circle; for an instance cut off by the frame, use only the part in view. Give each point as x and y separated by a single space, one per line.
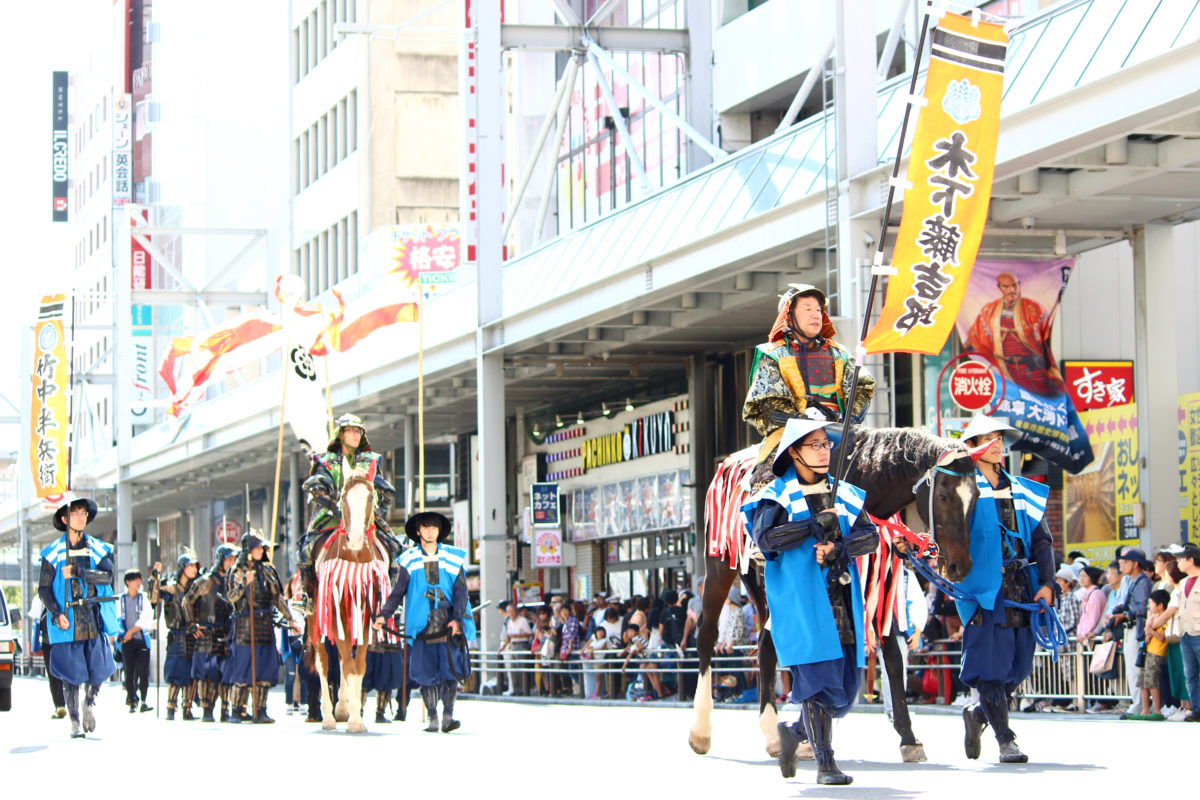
810 80
554 38
622 128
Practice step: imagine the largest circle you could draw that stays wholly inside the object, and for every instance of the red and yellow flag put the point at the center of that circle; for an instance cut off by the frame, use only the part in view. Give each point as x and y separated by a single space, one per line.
950 168
49 412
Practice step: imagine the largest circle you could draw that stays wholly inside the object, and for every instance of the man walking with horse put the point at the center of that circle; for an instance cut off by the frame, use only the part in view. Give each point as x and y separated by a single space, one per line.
437 617
1012 572
810 531
75 587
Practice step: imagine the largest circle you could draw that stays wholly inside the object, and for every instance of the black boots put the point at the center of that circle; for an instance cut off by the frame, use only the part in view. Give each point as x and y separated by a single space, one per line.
89 707
789 743
994 702
974 721
819 724
449 723
430 695
260 704
381 704
71 695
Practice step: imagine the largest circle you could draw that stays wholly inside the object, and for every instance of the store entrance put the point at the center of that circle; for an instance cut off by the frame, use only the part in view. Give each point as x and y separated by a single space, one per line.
648 564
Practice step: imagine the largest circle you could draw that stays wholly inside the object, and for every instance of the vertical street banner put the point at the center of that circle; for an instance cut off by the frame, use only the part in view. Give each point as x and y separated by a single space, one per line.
49 410
59 147
1006 317
122 151
1100 502
949 188
1189 467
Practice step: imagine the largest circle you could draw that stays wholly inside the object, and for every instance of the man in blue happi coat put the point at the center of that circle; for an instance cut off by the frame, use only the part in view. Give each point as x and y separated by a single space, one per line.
437 616
75 586
1011 555
810 539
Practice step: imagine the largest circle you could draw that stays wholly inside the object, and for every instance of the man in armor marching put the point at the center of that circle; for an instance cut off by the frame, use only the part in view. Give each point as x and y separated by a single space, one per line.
256 592
209 615
177 670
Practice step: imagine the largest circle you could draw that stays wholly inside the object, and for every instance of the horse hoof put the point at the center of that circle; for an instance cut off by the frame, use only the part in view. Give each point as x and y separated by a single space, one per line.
773 749
328 725
912 753
356 727
699 744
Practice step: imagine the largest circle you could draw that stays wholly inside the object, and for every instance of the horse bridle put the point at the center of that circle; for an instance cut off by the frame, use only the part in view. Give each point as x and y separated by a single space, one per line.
930 477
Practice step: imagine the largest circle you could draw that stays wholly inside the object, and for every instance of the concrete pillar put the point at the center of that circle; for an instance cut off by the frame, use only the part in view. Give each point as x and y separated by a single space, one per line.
122 393
699 86
410 469
491 515
703 424
1156 380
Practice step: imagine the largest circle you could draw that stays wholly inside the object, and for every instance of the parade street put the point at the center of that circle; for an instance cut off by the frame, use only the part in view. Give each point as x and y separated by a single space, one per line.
505 749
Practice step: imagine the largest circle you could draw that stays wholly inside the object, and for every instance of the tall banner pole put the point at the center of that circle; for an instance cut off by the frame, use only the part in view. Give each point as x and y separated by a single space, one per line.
278 447
420 395
878 267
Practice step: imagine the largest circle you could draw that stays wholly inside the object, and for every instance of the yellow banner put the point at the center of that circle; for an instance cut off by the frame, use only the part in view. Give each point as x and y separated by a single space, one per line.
1099 503
49 453
1189 466
950 168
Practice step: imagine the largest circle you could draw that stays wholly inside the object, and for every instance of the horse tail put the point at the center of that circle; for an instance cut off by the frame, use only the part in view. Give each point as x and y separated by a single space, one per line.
724 531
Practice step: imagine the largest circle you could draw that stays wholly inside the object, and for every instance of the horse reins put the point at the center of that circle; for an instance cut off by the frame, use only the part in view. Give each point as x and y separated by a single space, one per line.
1047 630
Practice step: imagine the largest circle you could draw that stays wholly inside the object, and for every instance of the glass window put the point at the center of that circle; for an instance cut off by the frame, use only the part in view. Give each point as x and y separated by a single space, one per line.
1124 33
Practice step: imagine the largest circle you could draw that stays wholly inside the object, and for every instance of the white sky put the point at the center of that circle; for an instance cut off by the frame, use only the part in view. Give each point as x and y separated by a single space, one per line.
36 252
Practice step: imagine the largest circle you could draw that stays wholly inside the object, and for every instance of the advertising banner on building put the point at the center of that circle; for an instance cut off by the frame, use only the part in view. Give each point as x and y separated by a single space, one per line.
122 151
949 188
1098 384
647 503
1007 313
1100 504
547 547
544 503
49 410
59 148
1189 467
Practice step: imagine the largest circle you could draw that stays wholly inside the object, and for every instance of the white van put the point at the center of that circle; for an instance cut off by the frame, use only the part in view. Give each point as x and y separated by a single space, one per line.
8 650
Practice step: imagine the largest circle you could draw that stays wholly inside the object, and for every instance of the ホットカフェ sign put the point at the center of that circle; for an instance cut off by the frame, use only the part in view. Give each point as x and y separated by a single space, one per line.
646 436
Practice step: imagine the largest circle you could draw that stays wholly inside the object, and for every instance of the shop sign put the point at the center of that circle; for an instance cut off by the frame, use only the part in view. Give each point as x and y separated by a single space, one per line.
49 411
1102 503
972 385
547 548
59 148
1099 384
544 503
647 436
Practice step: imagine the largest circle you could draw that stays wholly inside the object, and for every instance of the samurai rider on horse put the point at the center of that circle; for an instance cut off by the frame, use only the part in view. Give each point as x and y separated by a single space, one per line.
348 451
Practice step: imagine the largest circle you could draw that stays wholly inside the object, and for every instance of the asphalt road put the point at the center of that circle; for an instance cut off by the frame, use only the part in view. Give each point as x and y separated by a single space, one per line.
511 749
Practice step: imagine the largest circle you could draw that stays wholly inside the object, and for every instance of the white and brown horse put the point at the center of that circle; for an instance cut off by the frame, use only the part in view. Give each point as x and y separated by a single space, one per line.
895 466
352 584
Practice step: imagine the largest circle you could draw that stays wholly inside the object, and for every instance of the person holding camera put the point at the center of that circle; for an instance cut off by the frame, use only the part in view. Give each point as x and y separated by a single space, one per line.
810 539
1130 615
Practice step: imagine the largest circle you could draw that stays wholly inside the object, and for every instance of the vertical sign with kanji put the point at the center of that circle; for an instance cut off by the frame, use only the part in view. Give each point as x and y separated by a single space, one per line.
946 201
59 147
49 449
122 151
1100 503
544 503
1189 466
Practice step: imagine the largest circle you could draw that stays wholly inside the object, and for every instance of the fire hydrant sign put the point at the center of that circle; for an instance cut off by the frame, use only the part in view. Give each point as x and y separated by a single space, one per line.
972 385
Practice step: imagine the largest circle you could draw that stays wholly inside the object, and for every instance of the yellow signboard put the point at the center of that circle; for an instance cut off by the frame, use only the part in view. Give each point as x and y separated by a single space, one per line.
49 412
950 175
1189 466
1100 503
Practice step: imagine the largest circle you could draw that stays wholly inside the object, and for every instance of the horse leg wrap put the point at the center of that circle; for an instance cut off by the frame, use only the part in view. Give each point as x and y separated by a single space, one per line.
430 695
819 723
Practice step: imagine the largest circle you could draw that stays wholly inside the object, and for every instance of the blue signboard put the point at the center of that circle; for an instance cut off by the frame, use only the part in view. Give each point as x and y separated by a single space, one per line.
544 503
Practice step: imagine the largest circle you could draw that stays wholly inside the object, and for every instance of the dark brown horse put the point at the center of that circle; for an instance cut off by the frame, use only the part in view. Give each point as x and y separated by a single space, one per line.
897 467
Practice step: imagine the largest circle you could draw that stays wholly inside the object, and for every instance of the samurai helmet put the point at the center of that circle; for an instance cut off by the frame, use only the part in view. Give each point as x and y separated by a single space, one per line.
349 421
222 552
787 300
188 557
252 539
